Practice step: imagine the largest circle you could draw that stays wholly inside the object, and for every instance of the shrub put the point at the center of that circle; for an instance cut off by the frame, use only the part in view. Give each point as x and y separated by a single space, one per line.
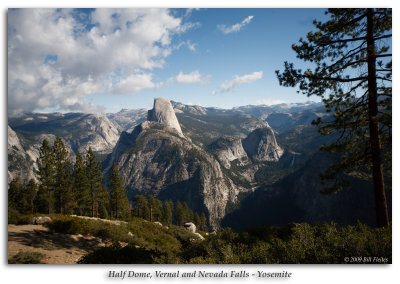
26 257
115 254
13 216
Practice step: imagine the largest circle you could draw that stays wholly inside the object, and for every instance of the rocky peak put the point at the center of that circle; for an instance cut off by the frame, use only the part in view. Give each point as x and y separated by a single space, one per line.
163 113
261 145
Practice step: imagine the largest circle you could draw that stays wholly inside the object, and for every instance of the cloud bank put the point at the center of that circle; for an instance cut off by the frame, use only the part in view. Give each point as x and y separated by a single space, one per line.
58 56
236 27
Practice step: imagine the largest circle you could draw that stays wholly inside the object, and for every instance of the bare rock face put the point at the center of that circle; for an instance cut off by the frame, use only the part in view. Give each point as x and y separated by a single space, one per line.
163 113
19 163
261 145
228 149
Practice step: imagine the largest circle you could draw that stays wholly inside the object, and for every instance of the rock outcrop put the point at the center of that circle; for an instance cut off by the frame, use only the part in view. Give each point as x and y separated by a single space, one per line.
228 149
163 113
19 162
261 145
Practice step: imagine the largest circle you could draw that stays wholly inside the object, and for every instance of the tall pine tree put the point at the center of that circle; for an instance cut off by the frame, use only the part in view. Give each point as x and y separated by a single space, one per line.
15 194
81 186
168 210
45 197
353 74
62 178
155 207
141 207
31 191
119 202
95 178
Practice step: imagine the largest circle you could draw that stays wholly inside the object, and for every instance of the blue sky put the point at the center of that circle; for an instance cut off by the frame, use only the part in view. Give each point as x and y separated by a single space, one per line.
102 60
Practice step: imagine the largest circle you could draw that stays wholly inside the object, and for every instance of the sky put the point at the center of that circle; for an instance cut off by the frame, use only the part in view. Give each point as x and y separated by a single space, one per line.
103 60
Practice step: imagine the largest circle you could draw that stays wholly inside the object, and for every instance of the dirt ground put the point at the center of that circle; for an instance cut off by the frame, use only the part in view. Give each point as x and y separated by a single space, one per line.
57 248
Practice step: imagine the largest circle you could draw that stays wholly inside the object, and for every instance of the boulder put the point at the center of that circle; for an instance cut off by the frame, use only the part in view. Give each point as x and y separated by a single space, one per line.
200 236
40 220
190 227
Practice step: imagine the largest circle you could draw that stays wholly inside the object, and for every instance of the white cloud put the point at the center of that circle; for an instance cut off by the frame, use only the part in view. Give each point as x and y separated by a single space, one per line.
238 80
133 84
236 27
85 58
194 77
269 102
191 46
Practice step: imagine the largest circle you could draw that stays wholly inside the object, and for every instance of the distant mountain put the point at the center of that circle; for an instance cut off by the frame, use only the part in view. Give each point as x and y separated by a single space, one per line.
80 131
263 111
127 119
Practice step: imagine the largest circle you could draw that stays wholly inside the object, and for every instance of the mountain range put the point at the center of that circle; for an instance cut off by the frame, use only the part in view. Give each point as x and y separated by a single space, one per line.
250 165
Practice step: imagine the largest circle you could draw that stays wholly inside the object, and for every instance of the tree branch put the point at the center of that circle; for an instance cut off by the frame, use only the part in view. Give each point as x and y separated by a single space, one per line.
383 55
343 80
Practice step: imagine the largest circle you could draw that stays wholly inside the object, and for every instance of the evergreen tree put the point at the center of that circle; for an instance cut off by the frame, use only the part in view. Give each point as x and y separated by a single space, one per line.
141 207
45 197
95 178
62 178
156 209
353 75
203 222
168 209
31 191
196 219
188 213
179 213
81 185
118 198
15 194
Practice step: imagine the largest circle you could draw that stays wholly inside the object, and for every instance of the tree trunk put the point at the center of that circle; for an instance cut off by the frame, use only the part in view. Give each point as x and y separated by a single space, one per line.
382 217
151 213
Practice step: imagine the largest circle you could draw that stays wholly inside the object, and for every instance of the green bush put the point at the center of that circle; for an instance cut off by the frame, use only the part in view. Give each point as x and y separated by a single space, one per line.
26 258
69 225
115 254
13 216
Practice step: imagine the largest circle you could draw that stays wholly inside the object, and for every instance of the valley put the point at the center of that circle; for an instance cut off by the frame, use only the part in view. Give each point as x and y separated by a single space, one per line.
221 162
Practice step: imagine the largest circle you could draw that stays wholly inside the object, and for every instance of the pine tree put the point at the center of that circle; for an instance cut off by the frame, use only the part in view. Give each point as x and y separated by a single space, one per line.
95 178
45 197
353 75
156 209
62 177
15 194
196 219
81 185
168 209
203 222
188 213
141 207
118 197
179 213
31 191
